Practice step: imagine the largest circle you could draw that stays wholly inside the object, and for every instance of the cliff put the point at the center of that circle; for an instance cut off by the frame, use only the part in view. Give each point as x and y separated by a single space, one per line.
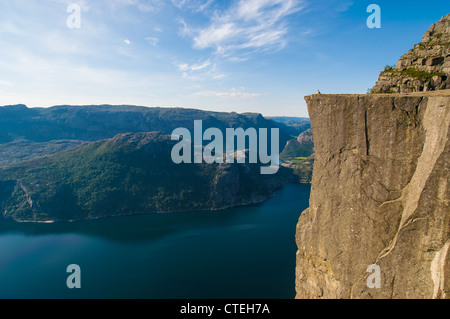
426 67
380 195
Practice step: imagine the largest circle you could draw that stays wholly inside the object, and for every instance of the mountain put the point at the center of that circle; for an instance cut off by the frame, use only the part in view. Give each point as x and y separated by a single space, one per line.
27 133
426 67
22 150
379 210
97 122
131 173
303 146
299 155
292 125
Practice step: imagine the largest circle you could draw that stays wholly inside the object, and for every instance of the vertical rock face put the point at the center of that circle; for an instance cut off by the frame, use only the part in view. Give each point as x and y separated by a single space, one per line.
380 195
426 67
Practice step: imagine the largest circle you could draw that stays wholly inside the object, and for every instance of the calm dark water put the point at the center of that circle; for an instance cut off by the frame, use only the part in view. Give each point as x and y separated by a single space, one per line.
246 252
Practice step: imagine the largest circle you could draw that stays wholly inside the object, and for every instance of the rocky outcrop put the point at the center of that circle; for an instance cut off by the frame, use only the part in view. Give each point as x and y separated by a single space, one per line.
380 195
426 67
306 138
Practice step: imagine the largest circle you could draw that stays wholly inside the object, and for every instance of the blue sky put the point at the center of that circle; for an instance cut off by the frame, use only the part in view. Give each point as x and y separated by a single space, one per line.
238 55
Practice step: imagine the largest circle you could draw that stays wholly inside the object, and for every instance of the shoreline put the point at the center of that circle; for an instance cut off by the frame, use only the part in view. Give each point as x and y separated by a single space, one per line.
70 221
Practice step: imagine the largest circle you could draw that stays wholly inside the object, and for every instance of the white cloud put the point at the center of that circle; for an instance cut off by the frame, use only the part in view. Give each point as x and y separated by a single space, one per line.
216 36
126 41
5 83
185 31
238 95
218 76
81 3
205 70
344 6
195 5
183 67
247 25
142 5
198 67
153 41
244 27
233 94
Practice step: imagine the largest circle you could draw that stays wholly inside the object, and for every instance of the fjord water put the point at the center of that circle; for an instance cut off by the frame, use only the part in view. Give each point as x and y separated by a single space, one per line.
245 252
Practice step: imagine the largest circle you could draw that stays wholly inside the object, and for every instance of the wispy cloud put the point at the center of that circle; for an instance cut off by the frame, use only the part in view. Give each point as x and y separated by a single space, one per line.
142 5
153 41
246 25
195 5
5 83
344 6
234 33
199 67
205 70
233 94
83 4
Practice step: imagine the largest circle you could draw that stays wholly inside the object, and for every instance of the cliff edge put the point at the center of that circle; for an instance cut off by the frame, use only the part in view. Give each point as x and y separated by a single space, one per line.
380 196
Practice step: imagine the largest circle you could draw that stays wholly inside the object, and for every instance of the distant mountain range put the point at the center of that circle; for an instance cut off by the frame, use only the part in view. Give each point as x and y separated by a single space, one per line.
294 126
27 133
83 162
93 123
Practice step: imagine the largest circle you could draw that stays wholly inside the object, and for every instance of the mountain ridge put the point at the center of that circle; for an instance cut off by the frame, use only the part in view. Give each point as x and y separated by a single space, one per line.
131 173
95 122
